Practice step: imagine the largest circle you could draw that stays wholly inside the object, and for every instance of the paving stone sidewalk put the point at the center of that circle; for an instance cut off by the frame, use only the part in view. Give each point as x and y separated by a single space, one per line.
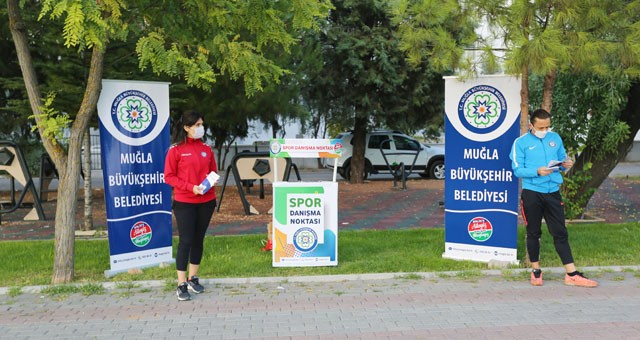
369 306
380 306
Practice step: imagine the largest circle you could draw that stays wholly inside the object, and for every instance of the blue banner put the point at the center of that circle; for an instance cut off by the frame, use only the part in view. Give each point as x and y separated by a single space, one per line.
134 137
481 191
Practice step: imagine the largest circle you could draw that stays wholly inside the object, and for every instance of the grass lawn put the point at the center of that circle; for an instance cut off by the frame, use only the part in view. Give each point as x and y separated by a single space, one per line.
368 251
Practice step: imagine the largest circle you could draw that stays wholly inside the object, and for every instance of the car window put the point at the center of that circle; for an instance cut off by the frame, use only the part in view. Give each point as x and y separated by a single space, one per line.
404 143
375 140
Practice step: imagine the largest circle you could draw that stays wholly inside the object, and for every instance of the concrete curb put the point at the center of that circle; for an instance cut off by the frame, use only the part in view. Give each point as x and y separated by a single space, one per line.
335 278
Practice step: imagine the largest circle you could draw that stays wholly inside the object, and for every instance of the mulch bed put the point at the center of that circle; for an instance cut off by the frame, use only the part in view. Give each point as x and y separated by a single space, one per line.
376 204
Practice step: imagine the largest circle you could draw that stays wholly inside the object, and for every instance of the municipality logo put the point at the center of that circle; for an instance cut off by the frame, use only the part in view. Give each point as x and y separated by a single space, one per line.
305 240
337 146
482 109
140 234
275 147
134 113
480 229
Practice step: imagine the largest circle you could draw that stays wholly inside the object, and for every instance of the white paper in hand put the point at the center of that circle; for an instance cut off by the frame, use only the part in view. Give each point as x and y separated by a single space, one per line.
554 165
209 181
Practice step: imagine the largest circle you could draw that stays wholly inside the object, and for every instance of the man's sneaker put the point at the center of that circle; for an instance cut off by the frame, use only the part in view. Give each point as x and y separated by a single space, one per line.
183 292
579 280
536 281
195 286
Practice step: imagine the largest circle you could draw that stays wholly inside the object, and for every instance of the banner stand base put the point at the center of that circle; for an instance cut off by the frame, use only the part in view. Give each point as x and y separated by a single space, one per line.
491 262
111 273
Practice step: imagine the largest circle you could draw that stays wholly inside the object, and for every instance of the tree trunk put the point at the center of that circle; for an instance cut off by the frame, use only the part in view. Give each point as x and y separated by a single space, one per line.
88 197
64 244
68 168
357 159
221 158
315 126
602 168
275 127
31 84
57 154
524 127
524 100
223 152
547 90
69 181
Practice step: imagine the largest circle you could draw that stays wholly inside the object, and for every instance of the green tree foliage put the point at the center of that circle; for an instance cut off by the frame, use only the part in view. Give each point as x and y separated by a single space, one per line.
434 30
316 100
11 85
198 41
225 107
588 110
594 97
13 103
365 78
595 45
225 38
57 68
550 36
282 102
594 39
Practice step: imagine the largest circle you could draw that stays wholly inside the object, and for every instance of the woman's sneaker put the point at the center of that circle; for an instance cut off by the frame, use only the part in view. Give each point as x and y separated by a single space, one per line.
579 280
536 278
194 285
183 292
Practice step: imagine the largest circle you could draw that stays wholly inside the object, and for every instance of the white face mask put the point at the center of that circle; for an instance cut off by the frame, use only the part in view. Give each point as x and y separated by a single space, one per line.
540 134
198 132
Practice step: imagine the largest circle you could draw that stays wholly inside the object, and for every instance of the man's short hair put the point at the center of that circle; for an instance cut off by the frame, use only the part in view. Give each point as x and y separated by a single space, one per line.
539 114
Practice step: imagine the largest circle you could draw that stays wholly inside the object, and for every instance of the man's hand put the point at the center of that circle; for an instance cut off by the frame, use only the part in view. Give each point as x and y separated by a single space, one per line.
567 163
544 171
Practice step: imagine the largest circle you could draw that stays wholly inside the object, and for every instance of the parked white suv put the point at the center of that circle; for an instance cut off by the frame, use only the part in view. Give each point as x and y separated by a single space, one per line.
398 148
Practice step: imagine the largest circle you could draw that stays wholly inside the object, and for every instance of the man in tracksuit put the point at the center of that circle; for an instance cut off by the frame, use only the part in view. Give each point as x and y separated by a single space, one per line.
532 158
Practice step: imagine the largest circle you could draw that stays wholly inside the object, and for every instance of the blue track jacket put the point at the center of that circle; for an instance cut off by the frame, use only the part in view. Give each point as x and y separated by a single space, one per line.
529 152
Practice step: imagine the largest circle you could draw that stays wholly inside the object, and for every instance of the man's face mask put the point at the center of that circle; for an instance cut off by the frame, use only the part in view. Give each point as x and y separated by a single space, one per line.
539 134
544 128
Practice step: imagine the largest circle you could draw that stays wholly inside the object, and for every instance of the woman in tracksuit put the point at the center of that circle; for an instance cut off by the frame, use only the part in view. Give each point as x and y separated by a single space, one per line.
187 164
532 155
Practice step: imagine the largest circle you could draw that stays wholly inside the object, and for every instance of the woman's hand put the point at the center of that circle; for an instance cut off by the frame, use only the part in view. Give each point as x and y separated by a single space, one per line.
198 190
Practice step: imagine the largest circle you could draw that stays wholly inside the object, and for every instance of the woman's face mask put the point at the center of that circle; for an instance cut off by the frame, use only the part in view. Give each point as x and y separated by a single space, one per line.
195 131
198 132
